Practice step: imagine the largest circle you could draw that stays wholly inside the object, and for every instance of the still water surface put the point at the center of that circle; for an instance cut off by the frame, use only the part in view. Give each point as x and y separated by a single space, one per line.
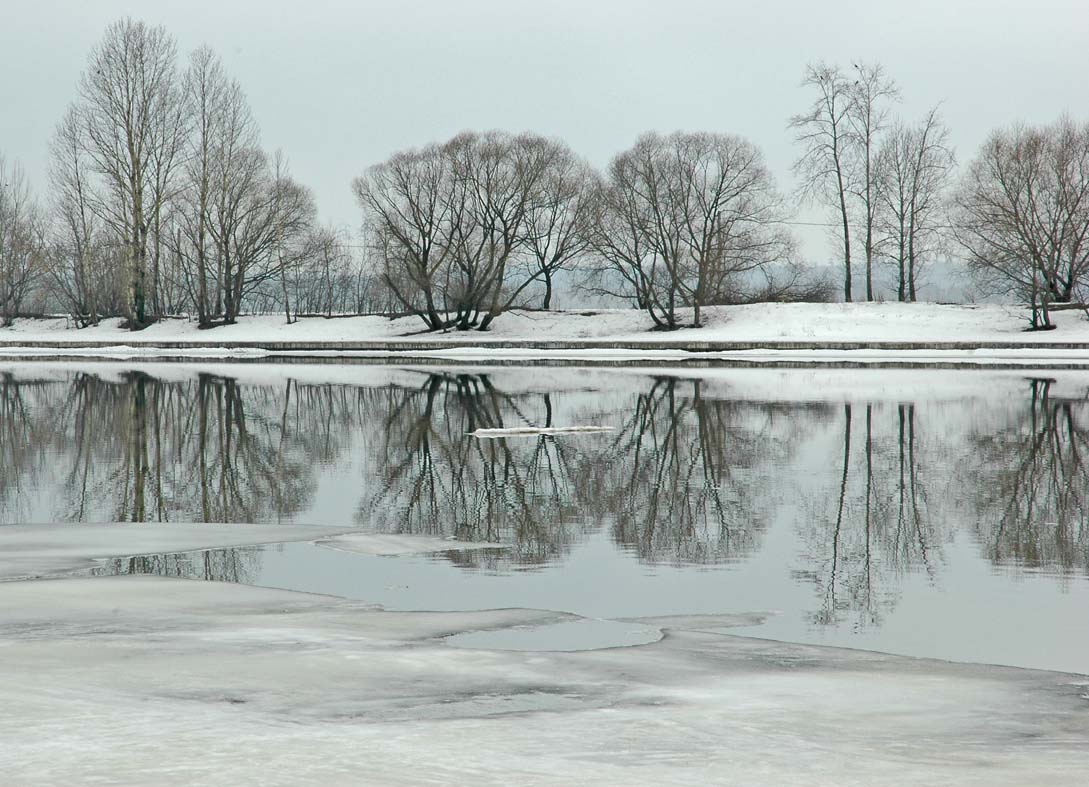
932 513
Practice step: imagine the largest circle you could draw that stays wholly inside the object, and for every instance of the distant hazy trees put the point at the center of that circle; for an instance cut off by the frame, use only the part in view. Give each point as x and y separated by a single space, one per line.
1022 214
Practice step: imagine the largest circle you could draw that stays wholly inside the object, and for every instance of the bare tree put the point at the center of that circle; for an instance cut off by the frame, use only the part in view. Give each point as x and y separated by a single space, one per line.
1022 213
451 225
225 177
22 240
263 229
495 179
867 115
405 209
915 165
131 122
683 219
559 219
80 244
827 138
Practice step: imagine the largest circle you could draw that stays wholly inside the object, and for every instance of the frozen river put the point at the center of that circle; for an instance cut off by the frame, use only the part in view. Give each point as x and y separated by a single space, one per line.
920 513
936 513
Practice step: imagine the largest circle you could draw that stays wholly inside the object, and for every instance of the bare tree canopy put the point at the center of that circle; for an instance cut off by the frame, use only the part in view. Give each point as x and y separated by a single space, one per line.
682 220
868 114
1022 214
132 129
825 135
22 240
914 166
464 229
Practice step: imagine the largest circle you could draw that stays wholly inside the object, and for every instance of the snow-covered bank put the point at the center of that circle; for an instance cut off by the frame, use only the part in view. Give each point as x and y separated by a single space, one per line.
771 326
148 680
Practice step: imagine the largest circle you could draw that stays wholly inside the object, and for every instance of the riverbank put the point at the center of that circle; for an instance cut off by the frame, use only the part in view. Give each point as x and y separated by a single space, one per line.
816 333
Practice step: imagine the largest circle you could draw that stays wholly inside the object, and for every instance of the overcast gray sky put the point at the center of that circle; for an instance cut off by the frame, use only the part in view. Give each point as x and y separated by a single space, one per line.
341 85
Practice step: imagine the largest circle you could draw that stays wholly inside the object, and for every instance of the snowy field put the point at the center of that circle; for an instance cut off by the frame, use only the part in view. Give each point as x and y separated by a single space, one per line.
137 680
619 331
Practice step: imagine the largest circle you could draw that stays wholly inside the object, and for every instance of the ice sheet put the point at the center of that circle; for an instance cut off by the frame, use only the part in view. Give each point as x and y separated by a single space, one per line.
47 549
143 680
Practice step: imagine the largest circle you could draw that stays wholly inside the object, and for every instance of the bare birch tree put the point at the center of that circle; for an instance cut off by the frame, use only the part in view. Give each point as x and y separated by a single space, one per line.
867 115
915 165
80 251
129 111
826 136
224 167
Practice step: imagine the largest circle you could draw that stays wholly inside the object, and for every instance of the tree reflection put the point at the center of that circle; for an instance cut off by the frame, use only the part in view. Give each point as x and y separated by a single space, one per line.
140 449
435 479
233 564
690 473
877 525
690 476
1030 496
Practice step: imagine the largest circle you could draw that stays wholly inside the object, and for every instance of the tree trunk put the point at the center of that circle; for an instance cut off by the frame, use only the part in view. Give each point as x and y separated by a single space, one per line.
846 238
546 304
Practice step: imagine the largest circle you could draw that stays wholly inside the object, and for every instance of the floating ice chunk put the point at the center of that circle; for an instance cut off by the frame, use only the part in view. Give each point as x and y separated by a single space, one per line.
395 544
527 431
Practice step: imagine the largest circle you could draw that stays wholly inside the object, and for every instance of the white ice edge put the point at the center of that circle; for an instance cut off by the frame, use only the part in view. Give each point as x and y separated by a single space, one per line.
527 431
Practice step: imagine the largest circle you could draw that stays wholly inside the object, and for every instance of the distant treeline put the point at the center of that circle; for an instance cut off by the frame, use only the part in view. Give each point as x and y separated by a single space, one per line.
161 201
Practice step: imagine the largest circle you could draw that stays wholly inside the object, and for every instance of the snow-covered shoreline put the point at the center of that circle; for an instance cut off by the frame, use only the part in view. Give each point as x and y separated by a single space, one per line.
862 333
756 323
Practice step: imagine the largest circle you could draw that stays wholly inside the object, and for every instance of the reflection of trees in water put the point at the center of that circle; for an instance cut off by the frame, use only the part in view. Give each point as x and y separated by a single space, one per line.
873 524
1030 483
25 440
233 564
691 478
684 477
140 449
435 479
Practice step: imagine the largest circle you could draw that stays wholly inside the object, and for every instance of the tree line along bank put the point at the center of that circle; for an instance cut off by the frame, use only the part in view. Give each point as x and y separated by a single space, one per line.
161 200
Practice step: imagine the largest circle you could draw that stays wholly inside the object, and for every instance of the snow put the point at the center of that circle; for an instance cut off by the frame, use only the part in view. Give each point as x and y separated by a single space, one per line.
531 431
608 333
136 680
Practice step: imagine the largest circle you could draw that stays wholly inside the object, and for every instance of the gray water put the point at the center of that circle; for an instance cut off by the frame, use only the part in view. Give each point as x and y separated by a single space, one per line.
929 513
